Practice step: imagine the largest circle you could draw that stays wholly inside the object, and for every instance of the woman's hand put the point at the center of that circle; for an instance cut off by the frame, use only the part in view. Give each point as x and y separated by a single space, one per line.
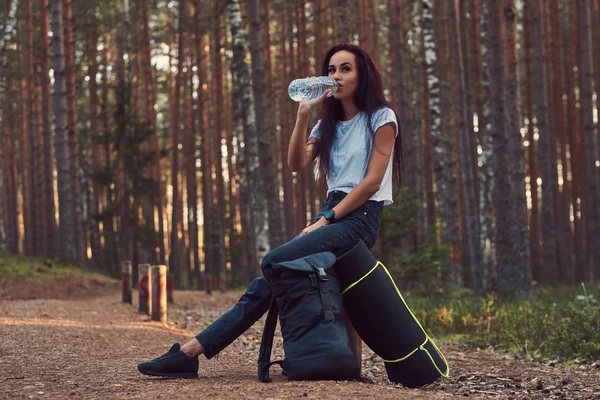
305 107
315 226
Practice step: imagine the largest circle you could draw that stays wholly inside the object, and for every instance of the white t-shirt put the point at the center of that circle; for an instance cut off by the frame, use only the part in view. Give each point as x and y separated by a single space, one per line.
350 155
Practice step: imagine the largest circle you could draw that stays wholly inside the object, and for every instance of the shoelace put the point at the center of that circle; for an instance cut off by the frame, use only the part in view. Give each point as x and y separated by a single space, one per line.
167 354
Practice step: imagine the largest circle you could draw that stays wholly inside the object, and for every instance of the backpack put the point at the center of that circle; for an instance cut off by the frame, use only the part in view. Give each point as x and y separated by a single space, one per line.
307 300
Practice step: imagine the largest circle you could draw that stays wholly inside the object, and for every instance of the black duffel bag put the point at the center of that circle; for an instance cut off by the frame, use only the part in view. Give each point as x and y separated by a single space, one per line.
307 300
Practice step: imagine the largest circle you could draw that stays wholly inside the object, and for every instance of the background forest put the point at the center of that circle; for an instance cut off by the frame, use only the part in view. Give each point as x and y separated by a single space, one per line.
156 131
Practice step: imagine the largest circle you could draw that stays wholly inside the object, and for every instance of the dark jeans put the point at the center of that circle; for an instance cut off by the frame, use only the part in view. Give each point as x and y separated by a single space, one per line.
338 238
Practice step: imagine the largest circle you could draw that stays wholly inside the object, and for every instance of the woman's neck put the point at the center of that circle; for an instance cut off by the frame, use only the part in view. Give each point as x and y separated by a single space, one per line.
350 109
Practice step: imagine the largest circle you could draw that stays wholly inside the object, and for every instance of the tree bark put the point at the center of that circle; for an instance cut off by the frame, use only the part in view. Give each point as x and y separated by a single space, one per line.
590 142
534 216
472 225
514 274
176 259
79 255
548 273
429 80
218 227
560 129
342 21
49 232
251 185
205 152
65 201
9 171
443 144
263 122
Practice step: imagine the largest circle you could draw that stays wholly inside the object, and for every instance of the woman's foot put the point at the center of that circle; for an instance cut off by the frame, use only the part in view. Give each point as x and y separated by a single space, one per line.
173 364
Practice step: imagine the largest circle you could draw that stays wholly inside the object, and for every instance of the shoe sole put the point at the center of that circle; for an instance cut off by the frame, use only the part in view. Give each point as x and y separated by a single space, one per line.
184 375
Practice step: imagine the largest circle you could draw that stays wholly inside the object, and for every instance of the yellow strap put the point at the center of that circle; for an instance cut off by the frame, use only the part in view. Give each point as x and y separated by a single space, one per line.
358 281
422 346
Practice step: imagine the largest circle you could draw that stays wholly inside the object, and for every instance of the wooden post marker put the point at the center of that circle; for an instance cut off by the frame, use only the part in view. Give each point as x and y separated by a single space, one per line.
169 287
126 280
158 278
144 289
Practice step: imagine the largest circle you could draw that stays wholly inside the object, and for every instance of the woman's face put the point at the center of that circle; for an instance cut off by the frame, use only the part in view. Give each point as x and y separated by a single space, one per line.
343 68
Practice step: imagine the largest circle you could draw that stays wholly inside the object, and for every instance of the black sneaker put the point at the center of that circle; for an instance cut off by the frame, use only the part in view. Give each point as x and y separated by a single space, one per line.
173 364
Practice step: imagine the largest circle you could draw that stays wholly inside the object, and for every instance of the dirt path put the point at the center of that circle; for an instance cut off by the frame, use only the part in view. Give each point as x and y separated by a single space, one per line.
89 348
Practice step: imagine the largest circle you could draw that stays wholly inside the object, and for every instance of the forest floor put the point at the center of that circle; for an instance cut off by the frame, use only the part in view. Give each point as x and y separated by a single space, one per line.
72 337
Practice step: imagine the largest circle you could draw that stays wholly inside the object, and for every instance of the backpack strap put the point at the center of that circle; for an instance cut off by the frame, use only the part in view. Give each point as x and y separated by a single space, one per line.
323 289
266 343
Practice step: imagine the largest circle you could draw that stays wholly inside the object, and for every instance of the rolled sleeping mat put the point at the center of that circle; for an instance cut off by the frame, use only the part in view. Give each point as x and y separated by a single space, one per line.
383 320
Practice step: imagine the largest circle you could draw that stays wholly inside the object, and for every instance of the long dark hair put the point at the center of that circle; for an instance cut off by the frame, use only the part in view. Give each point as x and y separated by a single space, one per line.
368 98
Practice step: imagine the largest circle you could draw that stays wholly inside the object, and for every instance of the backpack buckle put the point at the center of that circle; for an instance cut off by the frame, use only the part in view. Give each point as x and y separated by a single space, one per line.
322 275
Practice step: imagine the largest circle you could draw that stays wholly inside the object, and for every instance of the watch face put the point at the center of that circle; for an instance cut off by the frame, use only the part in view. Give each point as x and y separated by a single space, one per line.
329 214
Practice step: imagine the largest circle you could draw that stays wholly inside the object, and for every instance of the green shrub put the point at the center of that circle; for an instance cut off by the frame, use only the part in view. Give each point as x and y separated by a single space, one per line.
554 322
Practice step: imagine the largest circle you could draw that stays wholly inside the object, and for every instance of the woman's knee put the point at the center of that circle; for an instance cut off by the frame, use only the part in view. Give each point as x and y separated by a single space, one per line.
269 258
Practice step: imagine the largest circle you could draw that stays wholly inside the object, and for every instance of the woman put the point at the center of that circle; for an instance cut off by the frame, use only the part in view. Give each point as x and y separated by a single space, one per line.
358 144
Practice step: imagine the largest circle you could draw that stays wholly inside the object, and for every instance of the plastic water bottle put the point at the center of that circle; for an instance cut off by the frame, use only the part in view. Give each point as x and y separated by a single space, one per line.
311 88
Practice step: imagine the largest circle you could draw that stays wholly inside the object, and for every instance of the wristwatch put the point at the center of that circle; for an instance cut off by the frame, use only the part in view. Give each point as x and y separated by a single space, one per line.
329 215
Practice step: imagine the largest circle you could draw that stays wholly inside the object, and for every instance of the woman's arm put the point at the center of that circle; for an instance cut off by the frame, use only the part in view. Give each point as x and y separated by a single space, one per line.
301 152
380 157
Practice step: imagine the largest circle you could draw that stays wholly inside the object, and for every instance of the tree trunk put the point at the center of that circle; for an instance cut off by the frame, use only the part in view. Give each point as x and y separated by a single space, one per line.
548 273
205 152
443 144
579 197
263 122
175 259
49 231
65 201
33 137
79 237
534 217
9 171
9 28
430 108
217 70
513 276
342 21
94 187
590 142
560 129
251 185
285 115
472 225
